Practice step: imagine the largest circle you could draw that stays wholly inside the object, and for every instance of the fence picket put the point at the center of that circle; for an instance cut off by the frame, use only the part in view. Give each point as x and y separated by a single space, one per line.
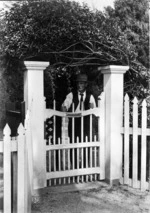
86 157
126 140
59 158
22 168
101 123
82 129
73 124
95 157
143 146
77 154
135 142
54 124
91 162
17 154
14 179
139 169
90 128
73 164
7 169
29 146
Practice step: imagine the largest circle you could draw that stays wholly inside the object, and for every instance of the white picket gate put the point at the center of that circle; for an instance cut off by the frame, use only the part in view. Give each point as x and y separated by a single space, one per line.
89 151
136 141
17 166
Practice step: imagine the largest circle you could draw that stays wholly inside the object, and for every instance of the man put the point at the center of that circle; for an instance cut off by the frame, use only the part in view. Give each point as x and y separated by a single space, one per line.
79 96
83 100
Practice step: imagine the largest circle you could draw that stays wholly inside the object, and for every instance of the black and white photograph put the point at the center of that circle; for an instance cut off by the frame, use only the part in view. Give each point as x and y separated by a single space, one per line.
75 106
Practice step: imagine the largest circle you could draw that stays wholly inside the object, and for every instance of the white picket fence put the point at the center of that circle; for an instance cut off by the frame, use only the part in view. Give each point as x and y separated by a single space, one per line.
17 169
136 145
17 155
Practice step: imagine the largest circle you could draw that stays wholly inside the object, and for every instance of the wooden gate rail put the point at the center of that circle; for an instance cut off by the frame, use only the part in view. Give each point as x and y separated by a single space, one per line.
72 145
51 112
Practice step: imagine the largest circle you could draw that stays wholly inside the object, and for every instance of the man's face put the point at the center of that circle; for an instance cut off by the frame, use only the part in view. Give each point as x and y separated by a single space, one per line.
81 86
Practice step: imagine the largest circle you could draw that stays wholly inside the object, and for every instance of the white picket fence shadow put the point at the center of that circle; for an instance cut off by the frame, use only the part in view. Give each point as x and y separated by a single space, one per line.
136 145
17 169
74 160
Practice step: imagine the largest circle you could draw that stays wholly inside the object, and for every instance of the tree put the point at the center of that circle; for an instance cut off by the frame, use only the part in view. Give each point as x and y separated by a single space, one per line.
73 37
61 30
131 17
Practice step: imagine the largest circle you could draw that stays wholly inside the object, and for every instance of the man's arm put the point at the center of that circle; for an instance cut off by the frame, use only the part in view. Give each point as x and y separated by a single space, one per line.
67 102
92 102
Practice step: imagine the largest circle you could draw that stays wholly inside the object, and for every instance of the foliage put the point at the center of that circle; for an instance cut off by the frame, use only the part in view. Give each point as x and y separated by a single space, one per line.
132 19
59 30
74 38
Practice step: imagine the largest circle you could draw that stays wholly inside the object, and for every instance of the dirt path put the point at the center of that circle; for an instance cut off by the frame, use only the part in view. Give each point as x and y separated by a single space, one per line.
91 198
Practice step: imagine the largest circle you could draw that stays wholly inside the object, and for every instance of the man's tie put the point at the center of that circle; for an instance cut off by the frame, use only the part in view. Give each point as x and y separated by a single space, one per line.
81 100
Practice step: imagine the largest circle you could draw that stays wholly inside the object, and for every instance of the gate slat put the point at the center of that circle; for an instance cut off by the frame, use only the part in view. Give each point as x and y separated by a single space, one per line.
77 154
59 158
64 180
63 159
87 157
81 150
73 124
64 164
100 147
82 158
95 162
49 157
54 124
68 154
90 128
82 130
94 153
68 159
49 164
59 162
54 160
73 150
54 164
69 164
90 161
73 180
77 159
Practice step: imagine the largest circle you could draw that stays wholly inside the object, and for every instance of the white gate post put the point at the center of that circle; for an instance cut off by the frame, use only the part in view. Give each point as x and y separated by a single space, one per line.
113 89
34 98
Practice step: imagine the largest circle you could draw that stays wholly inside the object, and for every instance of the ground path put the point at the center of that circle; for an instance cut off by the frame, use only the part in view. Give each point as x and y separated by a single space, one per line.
95 197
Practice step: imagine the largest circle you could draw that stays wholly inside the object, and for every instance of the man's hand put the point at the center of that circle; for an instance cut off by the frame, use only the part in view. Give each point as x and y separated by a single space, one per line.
91 105
63 109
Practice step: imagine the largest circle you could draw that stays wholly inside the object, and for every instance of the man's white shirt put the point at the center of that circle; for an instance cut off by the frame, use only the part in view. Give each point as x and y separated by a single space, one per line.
69 99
